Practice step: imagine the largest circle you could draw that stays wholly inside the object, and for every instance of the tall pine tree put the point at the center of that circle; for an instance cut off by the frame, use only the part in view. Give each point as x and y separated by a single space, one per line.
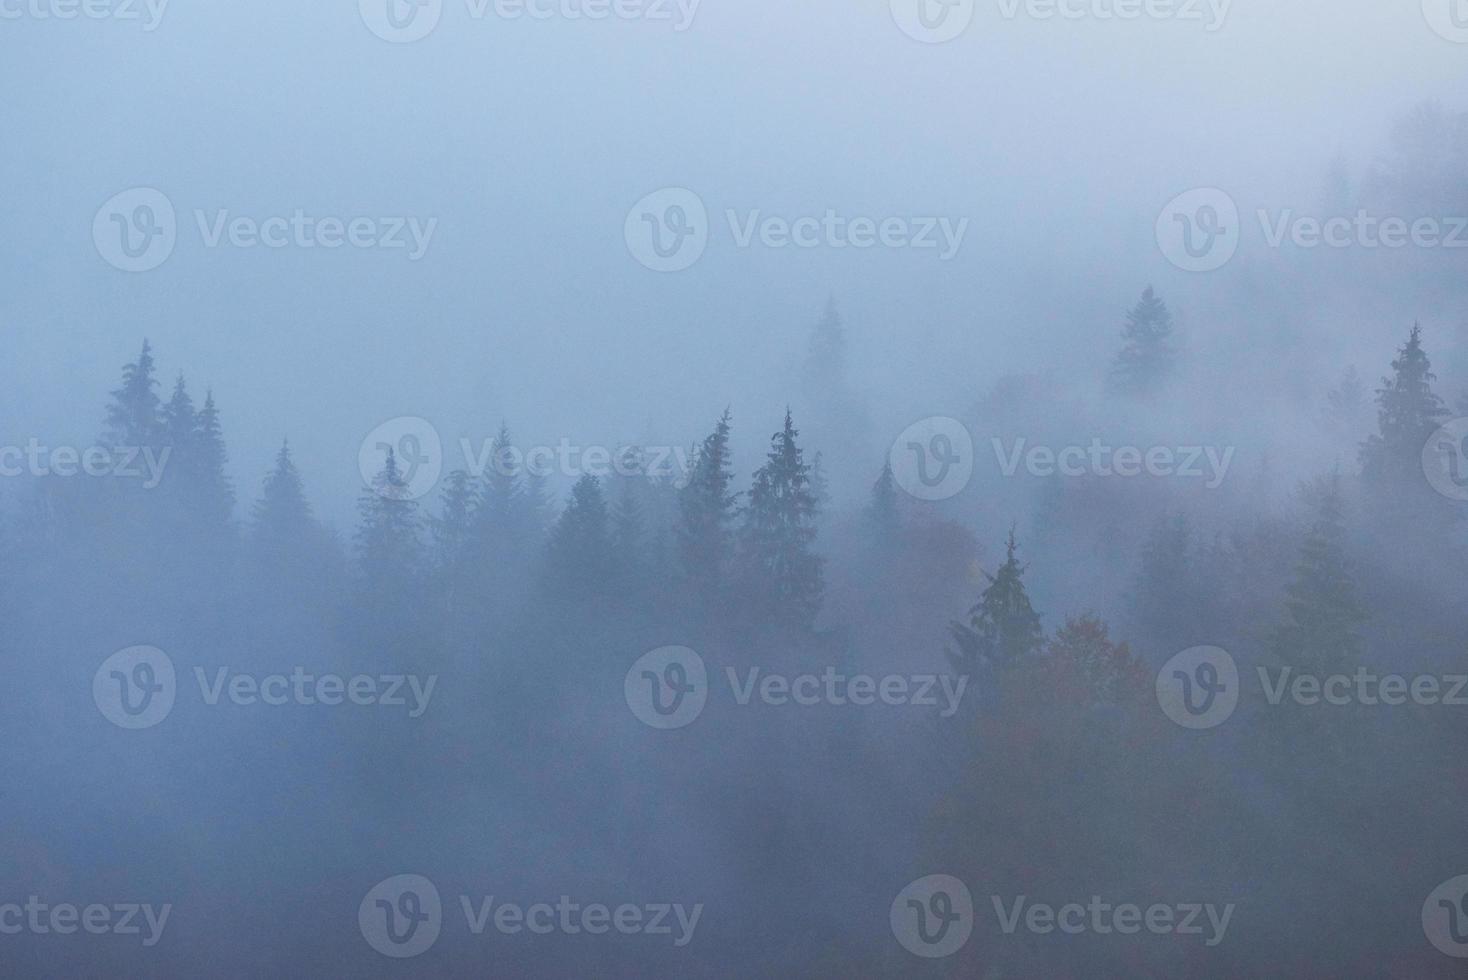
782 574
1146 360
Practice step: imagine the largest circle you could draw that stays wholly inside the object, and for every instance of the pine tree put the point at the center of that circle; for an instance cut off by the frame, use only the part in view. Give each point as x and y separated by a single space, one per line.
706 511
1146 360
215 495
498 496
883 516
1322 608
1003 628
781 571
629 528
389 547
824 371
133 417
180 421
579 555
282 516
451 528
1408 413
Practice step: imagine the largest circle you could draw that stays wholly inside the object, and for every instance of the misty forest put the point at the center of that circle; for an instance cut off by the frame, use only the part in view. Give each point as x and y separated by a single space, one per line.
1067 600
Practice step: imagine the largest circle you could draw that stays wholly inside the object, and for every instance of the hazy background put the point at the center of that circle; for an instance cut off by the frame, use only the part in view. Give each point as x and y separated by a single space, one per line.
1059 140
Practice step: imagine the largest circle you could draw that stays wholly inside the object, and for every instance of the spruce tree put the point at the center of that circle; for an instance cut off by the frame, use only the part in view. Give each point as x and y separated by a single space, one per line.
389 547
133 416
282 515
215 495
451 528
1322 610
706 511
629 528
579 554
1408 413
781 570
1146 359
1003 628
180 421
883 516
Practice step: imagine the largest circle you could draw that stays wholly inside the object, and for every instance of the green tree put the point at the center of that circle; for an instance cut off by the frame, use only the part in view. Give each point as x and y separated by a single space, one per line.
706 513
782 573
1003 628
1408 413
133 415
1322 609
579 555
1146 359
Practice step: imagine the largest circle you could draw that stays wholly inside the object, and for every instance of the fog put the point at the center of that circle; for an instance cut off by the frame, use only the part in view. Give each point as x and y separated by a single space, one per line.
581 403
